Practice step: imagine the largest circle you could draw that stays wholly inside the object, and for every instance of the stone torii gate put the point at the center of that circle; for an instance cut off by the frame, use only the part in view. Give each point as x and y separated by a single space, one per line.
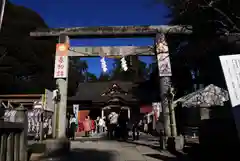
160 46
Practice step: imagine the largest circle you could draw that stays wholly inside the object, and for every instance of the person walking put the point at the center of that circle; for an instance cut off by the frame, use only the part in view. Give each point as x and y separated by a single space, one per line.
122 121
145 126
97 125
93 127
136 129
87 126
101 125
45 128
72 127
113 121
107 121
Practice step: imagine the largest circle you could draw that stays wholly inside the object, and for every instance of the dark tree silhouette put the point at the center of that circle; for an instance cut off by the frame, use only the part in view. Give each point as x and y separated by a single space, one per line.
215 32
26 64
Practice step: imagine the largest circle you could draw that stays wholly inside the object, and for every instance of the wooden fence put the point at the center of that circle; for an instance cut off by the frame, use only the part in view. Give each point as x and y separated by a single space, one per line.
13 142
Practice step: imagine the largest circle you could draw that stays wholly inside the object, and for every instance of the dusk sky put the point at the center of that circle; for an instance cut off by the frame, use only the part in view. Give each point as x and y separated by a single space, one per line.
72 13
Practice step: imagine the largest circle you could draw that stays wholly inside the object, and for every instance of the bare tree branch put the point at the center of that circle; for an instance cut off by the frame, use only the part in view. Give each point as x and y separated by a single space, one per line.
211 5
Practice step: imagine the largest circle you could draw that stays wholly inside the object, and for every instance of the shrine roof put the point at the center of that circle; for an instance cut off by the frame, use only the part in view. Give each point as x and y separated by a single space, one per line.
105 91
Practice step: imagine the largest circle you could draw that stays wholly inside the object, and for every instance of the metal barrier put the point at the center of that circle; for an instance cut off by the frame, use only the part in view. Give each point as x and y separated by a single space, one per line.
13 137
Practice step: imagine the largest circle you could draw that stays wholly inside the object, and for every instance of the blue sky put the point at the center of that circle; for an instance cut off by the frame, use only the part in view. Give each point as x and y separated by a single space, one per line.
72 13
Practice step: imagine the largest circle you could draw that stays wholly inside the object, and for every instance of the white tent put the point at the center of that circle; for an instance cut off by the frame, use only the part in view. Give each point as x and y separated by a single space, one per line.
210 95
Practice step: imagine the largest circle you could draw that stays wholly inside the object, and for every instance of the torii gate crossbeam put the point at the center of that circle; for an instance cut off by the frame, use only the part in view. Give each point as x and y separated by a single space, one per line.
112 51
113 31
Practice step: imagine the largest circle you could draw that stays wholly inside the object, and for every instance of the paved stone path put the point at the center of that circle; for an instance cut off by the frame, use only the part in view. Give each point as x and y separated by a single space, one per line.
146 149
116 151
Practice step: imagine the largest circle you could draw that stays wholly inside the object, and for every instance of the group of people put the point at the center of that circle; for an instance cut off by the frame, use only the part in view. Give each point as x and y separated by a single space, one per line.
93 126
89 126
119 125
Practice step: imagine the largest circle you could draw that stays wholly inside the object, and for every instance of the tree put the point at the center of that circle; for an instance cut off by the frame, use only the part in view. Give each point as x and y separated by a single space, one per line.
26 64
80 66
137 70
214 23
215 15
90 77
104 77
19 55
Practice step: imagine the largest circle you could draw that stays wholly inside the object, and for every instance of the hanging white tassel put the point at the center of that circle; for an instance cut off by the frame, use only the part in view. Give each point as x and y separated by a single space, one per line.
124 64
103 64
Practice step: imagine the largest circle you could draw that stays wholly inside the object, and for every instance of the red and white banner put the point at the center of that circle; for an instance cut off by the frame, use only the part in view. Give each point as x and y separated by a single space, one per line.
61 61
156 109
61 67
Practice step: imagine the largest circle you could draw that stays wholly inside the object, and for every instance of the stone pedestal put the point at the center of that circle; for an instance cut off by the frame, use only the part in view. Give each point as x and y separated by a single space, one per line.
21 117
57 147
179 142
175 143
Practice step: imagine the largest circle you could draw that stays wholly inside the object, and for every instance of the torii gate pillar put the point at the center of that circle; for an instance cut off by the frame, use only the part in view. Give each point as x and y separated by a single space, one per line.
165 74
164 68
61 75
61 143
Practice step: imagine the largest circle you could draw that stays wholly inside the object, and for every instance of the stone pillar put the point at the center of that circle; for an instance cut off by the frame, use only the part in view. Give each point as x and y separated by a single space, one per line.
10 149
3 148
173 119
62 104
3 139
61 133
54 120
21 117
61 145
165 73
16 146
41 125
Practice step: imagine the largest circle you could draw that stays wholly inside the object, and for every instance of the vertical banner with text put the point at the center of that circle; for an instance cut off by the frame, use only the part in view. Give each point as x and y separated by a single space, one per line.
75 111
156 109
61 61
164 65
